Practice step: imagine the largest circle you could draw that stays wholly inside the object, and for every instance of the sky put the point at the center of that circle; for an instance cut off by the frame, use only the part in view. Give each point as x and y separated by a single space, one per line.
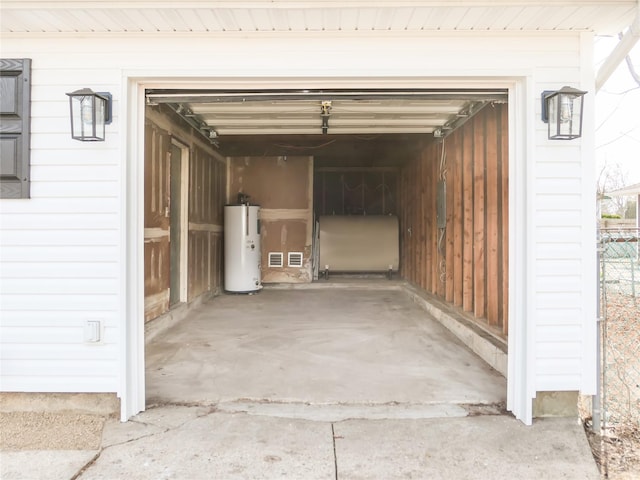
618 115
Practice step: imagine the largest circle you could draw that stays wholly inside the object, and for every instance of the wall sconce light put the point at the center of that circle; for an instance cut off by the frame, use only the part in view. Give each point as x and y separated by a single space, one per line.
562 111
90 112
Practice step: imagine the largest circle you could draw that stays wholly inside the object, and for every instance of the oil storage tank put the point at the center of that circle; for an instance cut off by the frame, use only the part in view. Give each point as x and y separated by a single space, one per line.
242 248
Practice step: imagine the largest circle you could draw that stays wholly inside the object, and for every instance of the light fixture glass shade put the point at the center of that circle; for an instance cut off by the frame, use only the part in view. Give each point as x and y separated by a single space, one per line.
88 115
564 113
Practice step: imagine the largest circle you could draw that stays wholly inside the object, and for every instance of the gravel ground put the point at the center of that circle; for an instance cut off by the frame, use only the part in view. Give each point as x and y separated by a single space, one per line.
50 431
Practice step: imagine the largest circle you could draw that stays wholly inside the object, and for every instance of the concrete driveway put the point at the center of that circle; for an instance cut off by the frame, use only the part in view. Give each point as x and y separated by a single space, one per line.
192 443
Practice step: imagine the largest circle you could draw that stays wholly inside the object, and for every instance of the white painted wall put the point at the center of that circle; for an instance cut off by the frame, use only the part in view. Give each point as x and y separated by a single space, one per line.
62 252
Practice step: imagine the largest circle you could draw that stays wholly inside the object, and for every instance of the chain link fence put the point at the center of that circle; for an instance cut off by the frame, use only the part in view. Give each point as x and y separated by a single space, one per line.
616 412
620 278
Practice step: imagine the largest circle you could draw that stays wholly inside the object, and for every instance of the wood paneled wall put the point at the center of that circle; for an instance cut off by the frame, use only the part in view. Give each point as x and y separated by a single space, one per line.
207 193
465 263
283 187
156 221
355 191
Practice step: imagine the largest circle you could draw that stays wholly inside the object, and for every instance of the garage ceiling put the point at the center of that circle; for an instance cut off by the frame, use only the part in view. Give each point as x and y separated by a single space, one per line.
221 114
306 117
372 128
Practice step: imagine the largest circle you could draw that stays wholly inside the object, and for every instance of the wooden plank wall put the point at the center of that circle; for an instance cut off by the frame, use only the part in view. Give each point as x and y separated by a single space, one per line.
355 191
466 264
156 223
207 194
283 187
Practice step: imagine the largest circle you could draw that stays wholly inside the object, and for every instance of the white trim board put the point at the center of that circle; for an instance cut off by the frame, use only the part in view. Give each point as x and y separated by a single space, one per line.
519 385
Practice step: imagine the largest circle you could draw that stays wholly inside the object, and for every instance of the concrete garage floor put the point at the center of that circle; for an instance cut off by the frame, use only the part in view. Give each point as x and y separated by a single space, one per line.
318 347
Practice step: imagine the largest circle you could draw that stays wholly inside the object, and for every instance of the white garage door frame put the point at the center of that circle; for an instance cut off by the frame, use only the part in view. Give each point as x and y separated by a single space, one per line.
520 383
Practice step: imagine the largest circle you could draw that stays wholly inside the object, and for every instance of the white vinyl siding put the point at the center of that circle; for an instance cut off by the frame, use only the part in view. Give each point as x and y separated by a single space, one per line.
65 264
564 221
60 250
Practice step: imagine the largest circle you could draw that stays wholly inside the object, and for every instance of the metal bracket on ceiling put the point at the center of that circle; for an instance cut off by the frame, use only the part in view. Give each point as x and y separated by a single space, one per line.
325 112
237 96
463 116
194 120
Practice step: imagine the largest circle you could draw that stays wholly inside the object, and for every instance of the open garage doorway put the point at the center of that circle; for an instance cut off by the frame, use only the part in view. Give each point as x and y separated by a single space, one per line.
435 160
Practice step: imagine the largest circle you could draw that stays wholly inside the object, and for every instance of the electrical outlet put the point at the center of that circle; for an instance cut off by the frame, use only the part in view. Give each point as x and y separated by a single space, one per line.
93 331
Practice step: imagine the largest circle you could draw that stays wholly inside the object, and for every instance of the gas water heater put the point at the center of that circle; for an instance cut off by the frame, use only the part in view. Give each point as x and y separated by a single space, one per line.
242 248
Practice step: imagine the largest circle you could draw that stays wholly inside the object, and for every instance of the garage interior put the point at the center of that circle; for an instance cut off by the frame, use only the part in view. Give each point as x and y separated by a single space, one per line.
435 160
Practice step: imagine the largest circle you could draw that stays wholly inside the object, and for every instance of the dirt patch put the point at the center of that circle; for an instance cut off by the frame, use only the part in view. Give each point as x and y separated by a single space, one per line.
621 361
475 410
617 453
617 450
50 431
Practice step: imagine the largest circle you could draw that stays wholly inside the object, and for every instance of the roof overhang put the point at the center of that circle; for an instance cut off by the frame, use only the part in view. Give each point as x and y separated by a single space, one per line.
199 16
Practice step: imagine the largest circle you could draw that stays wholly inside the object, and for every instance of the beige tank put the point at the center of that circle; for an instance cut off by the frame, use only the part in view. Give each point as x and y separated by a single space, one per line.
359 243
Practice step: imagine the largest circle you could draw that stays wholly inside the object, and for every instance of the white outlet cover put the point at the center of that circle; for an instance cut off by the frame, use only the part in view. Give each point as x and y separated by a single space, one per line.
93 331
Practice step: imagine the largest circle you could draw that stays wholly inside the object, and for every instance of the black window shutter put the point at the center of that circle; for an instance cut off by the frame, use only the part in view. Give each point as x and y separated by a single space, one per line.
15 101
